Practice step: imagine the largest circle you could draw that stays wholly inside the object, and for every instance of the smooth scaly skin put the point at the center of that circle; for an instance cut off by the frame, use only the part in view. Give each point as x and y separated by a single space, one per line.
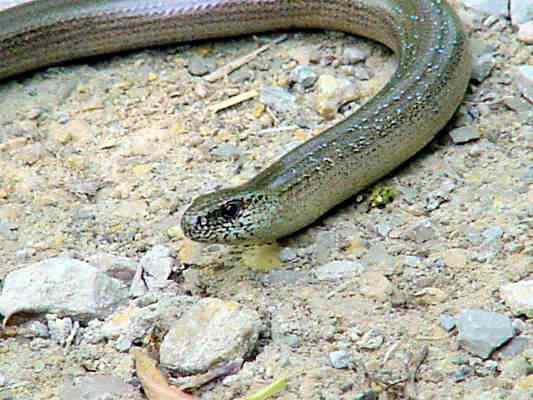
433 72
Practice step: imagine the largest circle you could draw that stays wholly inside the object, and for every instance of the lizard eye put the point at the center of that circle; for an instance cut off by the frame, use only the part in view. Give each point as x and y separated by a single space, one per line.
232 209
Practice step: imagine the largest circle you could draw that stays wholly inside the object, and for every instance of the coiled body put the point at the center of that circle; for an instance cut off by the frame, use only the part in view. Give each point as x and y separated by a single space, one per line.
428 85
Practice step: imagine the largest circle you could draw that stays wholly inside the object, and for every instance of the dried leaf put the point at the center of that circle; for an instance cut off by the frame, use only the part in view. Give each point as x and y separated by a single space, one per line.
154 382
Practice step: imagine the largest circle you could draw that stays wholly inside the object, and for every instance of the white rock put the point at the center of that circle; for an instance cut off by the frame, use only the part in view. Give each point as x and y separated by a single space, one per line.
212 332
153 271
519 296
525 32
62 286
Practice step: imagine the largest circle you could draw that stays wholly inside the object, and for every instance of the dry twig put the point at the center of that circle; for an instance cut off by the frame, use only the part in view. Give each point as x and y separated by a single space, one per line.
239 62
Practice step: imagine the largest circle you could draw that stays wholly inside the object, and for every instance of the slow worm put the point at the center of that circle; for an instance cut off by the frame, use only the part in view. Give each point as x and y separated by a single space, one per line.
426 89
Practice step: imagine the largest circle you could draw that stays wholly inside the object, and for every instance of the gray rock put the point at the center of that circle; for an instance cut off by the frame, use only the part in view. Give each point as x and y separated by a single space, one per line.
464 134
521 11
287 254
482 66
493 7
462 373
123 344
199 66
340 359
339 270
304 76
278 99
447 322
482 332
211 332
519 297
482 59
524 81
353 55
62 286
153 270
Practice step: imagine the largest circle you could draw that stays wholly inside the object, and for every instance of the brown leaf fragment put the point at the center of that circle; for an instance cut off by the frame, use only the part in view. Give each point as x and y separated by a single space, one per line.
153 381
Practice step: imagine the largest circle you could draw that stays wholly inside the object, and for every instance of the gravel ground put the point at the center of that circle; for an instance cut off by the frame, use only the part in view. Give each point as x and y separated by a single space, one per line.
102 156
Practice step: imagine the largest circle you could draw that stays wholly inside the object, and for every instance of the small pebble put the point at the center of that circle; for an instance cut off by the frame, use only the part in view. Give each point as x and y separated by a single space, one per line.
340 359
354 55
461 374
464 134
287 254
304 76
199 66
123 344
447 322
